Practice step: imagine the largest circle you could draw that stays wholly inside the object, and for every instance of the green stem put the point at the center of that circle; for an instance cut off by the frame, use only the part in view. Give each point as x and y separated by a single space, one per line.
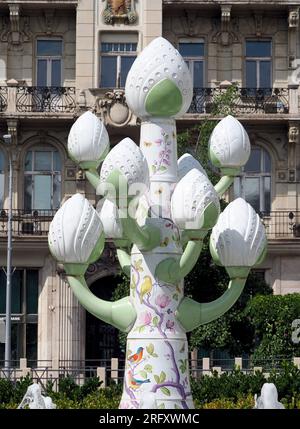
172 271
120 314
93 177
192 314
146 237
124 260
224 183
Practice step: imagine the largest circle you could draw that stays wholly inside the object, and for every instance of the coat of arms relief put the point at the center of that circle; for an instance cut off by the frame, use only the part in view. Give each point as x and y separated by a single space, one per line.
119 10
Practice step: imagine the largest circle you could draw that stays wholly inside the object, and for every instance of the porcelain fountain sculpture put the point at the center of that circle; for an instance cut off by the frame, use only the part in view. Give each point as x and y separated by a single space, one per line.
158 211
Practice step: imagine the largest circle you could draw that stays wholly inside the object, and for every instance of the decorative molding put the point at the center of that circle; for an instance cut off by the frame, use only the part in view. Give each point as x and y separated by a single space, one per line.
293 18
191 22
15 31
49 20
293 133
225 17
258 21
119 11
107 264
113 109
12 128
225 32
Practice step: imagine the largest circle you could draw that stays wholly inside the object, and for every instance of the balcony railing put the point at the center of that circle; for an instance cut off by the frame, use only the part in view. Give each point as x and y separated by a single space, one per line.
282 224
50 99
25 222
3 98
243 101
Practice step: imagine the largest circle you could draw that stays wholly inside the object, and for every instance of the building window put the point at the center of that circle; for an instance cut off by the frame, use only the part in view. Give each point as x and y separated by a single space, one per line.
116 59
42 179
254 184
193 53
1 179
49 62
258 64
24 313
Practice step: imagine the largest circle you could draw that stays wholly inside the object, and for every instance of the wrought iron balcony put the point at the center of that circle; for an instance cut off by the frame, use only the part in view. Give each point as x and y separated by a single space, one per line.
27 223
245 101
51 99
282 224
3 98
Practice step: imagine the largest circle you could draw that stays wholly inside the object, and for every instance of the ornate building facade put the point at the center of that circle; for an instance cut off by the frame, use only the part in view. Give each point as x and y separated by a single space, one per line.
61 58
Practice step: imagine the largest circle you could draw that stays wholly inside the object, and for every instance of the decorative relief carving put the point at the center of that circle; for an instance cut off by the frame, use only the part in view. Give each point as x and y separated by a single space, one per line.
15 30
225 32
293 134
113 108
258 21
293 18
119 10
106 264
191 23
49 20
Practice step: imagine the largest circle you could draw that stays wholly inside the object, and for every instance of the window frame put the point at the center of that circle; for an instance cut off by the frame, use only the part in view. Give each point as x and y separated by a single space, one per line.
52 173
49 59
258 60
118 55
191 60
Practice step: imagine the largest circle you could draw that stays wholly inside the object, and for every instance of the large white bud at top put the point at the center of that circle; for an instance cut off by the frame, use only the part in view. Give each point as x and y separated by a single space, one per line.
88 141
76 232
159 82
229 145
128 160
195 203
186 163
238 239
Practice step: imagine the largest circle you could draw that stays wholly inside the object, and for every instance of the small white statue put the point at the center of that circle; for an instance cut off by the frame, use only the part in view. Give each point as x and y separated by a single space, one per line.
35 400
268 399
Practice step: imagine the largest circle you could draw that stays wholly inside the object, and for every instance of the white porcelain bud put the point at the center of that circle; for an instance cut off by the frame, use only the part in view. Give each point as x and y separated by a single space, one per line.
186 163
158 62
75 231
88 141
229 145
194 203
238 239
128 159
110 219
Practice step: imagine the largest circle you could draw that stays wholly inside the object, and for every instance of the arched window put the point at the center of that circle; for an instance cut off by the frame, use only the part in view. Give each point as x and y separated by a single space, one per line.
254 184
42 179
1 179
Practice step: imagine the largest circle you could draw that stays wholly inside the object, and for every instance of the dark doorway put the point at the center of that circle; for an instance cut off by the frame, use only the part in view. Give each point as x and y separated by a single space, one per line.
101 339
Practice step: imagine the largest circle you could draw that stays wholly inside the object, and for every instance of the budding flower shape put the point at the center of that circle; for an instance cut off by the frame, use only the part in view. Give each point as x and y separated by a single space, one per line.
110 220
186 163
159 82
88 141
195 203
229 145
239 238
126 160
76 232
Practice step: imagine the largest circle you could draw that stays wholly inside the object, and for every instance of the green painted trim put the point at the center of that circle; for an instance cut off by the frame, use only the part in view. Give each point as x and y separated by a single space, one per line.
214 160
93 177
89 165
120 314
124 260
98 249
211 214
224 184
172 271
230 171
146 237
192 314
164 99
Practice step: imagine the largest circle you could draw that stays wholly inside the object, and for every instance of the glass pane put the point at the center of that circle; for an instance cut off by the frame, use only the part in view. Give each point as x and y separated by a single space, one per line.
41 79
265 74
108 72
42 192
28 192
2 292
106 47
1 161
251 78
267 194
56 161
16 296
32 283
31 343
237 192
55 73
16 342
42 161
198 74
56 191
28 161
267 162
257 48
252 192
1 190
191 49
126 63
254 163
49 47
